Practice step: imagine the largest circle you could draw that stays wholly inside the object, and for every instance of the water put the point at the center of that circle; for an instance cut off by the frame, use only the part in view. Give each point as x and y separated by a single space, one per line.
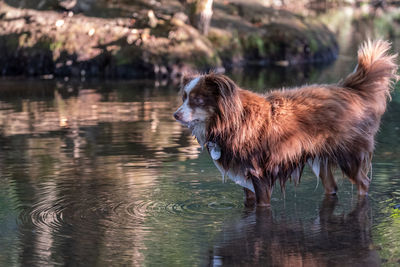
99 173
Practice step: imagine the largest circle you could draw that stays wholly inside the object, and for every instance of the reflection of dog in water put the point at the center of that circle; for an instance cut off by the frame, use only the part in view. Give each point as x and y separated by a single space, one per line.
258 239
257 140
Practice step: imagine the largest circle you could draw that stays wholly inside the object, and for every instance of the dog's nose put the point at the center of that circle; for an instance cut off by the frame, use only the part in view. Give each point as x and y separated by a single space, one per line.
176 115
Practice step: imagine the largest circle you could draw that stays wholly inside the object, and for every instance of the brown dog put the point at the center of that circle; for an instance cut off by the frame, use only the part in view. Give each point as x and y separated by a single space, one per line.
257 140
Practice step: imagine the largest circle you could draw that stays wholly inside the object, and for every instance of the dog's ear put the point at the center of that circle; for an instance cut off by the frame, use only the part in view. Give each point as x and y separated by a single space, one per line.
224 86
229 105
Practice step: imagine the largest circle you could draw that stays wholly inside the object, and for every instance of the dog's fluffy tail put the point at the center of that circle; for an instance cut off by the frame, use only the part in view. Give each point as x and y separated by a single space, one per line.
375 73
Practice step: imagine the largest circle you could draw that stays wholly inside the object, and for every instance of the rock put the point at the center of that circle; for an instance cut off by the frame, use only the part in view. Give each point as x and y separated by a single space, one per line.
153 21
263 36
54 43
152 42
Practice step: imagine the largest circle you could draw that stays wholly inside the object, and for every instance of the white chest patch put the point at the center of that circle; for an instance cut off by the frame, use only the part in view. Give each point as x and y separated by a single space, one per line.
237 177
199 131
215 150
216 154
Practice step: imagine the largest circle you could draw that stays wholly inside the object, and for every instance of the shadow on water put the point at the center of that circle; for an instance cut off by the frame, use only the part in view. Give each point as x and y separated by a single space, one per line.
331 239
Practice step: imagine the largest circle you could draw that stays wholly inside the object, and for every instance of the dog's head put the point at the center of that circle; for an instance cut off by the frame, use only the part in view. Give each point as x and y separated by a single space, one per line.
206 98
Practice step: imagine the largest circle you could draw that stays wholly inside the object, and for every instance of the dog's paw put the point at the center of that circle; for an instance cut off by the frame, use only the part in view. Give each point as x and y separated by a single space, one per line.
215 150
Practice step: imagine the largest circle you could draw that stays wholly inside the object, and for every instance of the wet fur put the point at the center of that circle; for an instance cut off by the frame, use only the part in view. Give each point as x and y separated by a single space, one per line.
270 137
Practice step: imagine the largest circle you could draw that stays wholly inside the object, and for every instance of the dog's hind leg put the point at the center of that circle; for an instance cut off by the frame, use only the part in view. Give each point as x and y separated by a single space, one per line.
362 180
327 177
250 197
262 191
356 167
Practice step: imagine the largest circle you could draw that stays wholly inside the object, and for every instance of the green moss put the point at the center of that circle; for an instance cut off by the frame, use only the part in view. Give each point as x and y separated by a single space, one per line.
57 45
43 43
254 44
219 40
227 45
23 39
271 48
313 44
125 56
260 46
203 61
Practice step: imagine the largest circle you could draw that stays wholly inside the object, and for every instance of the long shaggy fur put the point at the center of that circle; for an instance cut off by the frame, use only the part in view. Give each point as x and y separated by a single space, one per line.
271 137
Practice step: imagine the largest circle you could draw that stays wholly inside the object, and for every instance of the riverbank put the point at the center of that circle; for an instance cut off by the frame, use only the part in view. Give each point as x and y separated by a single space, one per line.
156 41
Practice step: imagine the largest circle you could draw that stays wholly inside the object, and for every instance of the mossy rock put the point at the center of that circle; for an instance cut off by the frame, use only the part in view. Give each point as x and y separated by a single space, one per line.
80 45
269 36
48 42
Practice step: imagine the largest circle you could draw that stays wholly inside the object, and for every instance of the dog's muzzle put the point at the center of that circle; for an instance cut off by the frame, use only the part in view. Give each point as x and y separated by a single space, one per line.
179 117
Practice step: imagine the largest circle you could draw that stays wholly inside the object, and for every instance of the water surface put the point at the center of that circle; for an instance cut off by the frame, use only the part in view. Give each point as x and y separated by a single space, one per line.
99 173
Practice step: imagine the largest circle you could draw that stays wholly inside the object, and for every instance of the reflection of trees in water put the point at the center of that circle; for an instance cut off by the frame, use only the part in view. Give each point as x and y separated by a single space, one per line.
86 157
330 240
68 214
147 121
86 109
388 138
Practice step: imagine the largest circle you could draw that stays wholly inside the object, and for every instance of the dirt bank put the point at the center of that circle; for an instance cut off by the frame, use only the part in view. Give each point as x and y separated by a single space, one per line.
156 41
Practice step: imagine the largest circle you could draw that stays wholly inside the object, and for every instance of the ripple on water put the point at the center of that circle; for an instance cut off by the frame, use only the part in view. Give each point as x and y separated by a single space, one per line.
43 215
188 208
90 215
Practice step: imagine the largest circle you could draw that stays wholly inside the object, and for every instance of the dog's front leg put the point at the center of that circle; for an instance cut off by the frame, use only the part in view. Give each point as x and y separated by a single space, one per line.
249 197
262 191
327 178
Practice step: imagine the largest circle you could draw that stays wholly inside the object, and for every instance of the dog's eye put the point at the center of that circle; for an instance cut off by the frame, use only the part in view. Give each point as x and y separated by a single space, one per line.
199 101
